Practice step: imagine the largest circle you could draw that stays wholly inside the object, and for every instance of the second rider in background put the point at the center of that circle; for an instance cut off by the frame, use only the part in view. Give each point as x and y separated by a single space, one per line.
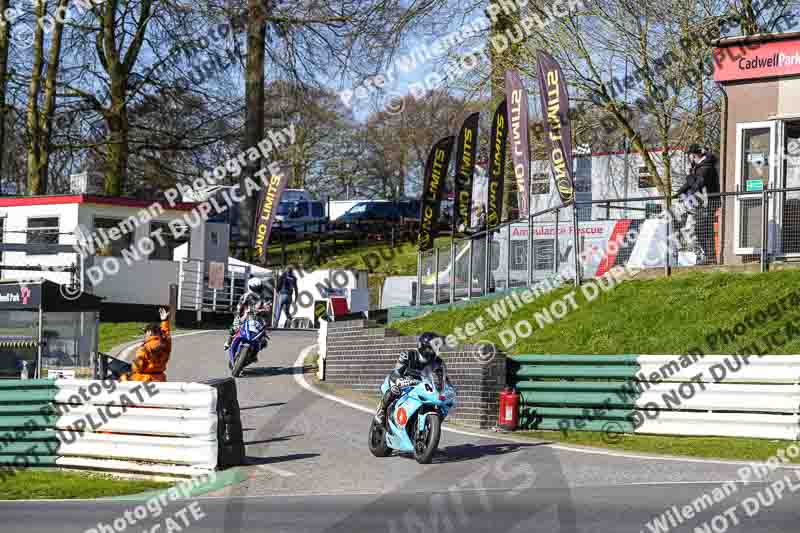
257 294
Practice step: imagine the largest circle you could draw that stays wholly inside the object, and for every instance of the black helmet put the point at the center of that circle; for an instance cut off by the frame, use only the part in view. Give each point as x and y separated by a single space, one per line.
426 346
695 149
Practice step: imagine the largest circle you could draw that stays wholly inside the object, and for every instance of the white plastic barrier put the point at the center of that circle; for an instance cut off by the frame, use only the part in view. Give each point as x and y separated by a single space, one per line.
135 426
721 395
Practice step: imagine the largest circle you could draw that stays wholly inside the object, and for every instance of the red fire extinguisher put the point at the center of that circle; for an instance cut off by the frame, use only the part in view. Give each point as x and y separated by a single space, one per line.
509 410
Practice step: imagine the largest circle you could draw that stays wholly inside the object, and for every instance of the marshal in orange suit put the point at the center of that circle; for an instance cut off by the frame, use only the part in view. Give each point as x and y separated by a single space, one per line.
150 363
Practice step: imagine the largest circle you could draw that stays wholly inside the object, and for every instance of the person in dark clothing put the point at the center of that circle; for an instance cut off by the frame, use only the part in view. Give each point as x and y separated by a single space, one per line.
407 370
703 177
479 246
287 291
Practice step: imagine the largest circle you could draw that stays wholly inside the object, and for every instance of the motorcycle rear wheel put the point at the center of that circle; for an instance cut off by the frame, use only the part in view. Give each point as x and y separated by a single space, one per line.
377 440
425 449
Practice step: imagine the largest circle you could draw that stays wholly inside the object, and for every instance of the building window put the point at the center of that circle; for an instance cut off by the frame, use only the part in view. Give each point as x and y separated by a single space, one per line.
583 174
583 187
540 183
171 241
110 238
43 231
544 254
646 179
519 255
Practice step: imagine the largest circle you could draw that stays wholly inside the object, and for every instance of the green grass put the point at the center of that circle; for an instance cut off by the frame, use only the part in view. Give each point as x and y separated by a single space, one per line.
381 261
115 333
376 257
312 360
41 484
742 449
661 316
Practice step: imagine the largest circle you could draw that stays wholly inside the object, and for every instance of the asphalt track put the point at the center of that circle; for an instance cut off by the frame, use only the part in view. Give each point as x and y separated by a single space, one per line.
309 470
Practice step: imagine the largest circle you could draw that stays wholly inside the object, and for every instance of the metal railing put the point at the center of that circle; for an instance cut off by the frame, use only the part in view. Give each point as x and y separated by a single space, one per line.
194 293
642 232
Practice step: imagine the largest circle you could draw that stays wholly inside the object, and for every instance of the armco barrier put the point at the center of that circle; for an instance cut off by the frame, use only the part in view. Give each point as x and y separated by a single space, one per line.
165 428
712 395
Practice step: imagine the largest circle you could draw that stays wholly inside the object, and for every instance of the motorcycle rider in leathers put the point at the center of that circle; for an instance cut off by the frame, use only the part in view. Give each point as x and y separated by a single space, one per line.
407 371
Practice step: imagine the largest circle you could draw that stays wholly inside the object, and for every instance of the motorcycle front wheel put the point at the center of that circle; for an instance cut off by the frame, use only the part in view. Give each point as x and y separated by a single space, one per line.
377 440
240 362
427 441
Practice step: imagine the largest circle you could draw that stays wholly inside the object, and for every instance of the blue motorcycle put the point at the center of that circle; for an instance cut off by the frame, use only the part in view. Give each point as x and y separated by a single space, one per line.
249 340
414 421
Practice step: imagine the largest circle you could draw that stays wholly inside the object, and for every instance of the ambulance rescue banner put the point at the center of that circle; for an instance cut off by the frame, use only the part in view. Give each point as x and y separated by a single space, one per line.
466 152
497 166
639 243
517 100
557 131
268 201
435 175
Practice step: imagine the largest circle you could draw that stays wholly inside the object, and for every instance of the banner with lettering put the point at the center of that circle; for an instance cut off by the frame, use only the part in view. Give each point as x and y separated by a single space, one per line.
497 166
268 200
517 100
557 131
435 174
466 152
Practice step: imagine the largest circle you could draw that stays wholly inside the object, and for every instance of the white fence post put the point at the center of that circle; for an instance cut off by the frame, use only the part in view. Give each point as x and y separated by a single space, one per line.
199 291
181 273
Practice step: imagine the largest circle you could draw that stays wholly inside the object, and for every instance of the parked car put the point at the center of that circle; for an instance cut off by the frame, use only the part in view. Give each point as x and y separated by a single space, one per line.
370 217
303 215
409 209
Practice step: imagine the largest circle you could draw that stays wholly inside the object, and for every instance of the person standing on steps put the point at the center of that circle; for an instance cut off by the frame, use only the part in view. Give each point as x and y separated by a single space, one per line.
703 177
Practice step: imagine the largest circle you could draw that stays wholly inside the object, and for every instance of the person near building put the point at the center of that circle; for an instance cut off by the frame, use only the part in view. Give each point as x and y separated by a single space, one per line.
150 362
287 292
703 177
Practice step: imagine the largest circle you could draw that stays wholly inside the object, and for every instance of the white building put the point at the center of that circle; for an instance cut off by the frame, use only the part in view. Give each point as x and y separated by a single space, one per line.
40 235
601 176
130 252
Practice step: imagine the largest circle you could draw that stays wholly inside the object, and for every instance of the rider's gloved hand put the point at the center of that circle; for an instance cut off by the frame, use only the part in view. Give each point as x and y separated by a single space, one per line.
407 382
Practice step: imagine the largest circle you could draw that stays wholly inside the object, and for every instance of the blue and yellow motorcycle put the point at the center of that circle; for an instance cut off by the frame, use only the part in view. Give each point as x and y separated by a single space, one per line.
414 421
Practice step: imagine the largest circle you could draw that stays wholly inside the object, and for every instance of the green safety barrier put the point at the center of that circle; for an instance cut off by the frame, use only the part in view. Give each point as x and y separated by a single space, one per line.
575 392
27 425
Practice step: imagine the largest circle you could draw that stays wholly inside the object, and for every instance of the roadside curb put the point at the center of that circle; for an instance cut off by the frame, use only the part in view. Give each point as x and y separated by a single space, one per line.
221 480
303 383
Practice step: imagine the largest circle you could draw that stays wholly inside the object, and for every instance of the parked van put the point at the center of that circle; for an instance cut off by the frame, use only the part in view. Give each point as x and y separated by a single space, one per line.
301 215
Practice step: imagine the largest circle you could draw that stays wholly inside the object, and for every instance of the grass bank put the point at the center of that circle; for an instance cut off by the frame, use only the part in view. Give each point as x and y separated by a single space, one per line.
47 484
736 449
661 316
115 333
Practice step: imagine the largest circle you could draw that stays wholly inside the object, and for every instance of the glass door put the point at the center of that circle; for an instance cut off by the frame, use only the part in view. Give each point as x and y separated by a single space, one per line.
755 144
787 205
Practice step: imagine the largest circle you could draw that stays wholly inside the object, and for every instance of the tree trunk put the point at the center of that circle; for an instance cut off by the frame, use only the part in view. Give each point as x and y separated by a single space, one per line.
4 32
35 184
254 111
39 121
49 106
118 153
116 166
